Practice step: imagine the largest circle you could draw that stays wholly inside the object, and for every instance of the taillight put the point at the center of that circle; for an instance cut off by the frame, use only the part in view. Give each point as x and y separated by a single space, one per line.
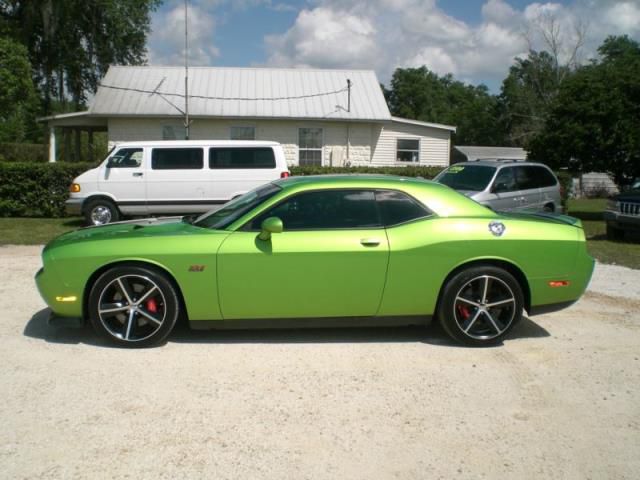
284 175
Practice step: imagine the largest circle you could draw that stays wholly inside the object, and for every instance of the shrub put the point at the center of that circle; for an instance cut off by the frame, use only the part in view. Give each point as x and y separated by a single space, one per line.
410 171
36 189
24 152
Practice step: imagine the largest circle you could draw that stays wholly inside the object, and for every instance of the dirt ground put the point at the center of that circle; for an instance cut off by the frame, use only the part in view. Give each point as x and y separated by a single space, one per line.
560 398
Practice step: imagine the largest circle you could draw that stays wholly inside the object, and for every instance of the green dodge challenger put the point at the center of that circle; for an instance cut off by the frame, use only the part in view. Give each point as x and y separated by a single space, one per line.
327 250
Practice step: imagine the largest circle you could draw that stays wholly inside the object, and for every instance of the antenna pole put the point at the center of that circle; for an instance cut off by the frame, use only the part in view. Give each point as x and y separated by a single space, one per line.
348 95
186 71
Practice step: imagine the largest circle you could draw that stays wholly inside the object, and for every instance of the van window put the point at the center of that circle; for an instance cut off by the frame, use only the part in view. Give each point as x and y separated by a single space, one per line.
543 177
177 159
126 158
525 178
250 157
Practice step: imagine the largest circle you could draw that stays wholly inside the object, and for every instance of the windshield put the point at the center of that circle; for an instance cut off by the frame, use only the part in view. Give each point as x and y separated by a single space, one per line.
474 178
237 207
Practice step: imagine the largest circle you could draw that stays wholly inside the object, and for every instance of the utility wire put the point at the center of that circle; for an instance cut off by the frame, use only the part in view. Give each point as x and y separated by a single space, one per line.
205 97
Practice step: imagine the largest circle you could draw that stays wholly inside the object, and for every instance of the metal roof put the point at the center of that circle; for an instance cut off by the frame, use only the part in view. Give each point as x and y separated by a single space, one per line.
240 92
423 124
492 153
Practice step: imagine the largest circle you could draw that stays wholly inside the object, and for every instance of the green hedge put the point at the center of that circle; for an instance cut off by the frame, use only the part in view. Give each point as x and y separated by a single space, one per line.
36 189
424 172
24 152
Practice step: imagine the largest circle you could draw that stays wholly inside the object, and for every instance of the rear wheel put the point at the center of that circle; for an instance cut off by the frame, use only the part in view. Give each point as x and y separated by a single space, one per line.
133 306
480 305
549 208
100 211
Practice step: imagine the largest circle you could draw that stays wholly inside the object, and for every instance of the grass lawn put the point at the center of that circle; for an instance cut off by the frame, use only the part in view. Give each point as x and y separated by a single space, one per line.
34 231
626 253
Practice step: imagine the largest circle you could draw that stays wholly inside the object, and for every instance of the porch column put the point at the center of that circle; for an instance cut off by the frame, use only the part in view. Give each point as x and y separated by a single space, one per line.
52 144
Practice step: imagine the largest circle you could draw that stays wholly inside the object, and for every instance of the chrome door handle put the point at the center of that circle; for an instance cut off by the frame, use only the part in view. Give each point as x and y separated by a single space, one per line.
137 174
370 242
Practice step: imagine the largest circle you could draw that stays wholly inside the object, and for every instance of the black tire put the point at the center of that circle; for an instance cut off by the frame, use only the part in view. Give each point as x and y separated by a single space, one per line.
466 312
614 233
100 211
140 315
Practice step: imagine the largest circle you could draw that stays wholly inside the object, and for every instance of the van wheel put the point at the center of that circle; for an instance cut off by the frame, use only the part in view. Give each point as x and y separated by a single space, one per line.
100 211
549 208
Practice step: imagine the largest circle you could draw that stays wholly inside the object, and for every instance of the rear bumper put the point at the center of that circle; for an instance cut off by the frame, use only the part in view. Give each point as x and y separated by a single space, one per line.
73 206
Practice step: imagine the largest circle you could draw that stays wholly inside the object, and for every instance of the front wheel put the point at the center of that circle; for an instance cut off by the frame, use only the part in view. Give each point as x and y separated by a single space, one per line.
479 305
100 212
133 306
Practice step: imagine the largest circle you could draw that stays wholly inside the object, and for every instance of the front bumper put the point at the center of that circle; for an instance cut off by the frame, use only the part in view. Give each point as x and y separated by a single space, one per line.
73 206
622 221
63 301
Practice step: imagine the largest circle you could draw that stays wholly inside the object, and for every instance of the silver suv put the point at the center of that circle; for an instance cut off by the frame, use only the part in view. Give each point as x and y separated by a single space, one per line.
505 185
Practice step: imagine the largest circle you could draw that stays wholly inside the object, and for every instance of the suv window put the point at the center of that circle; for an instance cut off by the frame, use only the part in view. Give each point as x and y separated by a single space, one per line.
505 181
252 157
325 210
543 177
398 207
126 158
177 159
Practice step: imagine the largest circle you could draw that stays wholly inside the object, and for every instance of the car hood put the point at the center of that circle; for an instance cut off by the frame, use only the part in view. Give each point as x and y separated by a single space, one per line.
633 196
148 227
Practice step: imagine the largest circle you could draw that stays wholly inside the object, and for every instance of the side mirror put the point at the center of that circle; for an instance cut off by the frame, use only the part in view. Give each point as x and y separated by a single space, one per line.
110 163
270 225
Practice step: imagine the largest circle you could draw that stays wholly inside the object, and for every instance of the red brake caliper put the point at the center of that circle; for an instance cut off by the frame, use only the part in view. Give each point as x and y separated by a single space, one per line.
463 311
151 305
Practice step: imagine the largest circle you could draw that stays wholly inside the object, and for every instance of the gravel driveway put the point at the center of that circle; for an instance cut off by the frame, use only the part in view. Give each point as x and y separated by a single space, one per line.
560 399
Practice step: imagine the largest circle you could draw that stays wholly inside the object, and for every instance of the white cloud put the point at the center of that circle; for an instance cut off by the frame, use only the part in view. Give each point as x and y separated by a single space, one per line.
166 42
386 34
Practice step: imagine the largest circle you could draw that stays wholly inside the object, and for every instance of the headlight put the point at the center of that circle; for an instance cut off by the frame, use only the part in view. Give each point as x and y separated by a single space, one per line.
612 205
74 188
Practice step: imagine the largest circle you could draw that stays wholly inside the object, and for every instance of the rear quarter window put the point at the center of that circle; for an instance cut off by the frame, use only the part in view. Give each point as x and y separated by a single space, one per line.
398 207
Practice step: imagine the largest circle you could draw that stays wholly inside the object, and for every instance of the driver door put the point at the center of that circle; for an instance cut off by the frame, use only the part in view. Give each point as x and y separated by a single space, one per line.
329 261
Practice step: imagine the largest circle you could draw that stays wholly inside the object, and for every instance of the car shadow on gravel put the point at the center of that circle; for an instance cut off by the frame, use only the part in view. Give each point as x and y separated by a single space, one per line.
37 327
431 335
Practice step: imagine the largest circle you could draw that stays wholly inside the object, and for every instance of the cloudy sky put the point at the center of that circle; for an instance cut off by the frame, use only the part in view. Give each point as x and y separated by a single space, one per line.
475 40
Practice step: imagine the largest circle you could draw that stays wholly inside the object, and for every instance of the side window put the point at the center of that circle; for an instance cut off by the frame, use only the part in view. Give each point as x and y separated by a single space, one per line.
177 159
505 181
407 150
261 157
398 207
325 210
126 158
543 177
525 178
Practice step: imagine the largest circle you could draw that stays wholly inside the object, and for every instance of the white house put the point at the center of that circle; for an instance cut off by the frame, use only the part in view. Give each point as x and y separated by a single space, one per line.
321 117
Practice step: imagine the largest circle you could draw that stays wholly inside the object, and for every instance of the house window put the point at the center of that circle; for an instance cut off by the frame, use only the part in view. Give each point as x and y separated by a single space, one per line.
408 150
173 132
242 133
310 146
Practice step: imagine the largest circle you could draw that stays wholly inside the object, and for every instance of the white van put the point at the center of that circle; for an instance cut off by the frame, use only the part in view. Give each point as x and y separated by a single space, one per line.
173 177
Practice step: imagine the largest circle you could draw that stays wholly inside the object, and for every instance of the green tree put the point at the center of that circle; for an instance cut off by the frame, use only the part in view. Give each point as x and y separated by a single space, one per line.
18 98
594 124
71 43
527 94
420 94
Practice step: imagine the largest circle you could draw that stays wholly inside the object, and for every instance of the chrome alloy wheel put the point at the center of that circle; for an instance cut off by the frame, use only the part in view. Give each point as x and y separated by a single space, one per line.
484 307
100 215
132 308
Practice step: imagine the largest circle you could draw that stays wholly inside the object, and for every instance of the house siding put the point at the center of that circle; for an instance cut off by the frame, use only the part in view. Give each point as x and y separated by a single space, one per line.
435 144
370 143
